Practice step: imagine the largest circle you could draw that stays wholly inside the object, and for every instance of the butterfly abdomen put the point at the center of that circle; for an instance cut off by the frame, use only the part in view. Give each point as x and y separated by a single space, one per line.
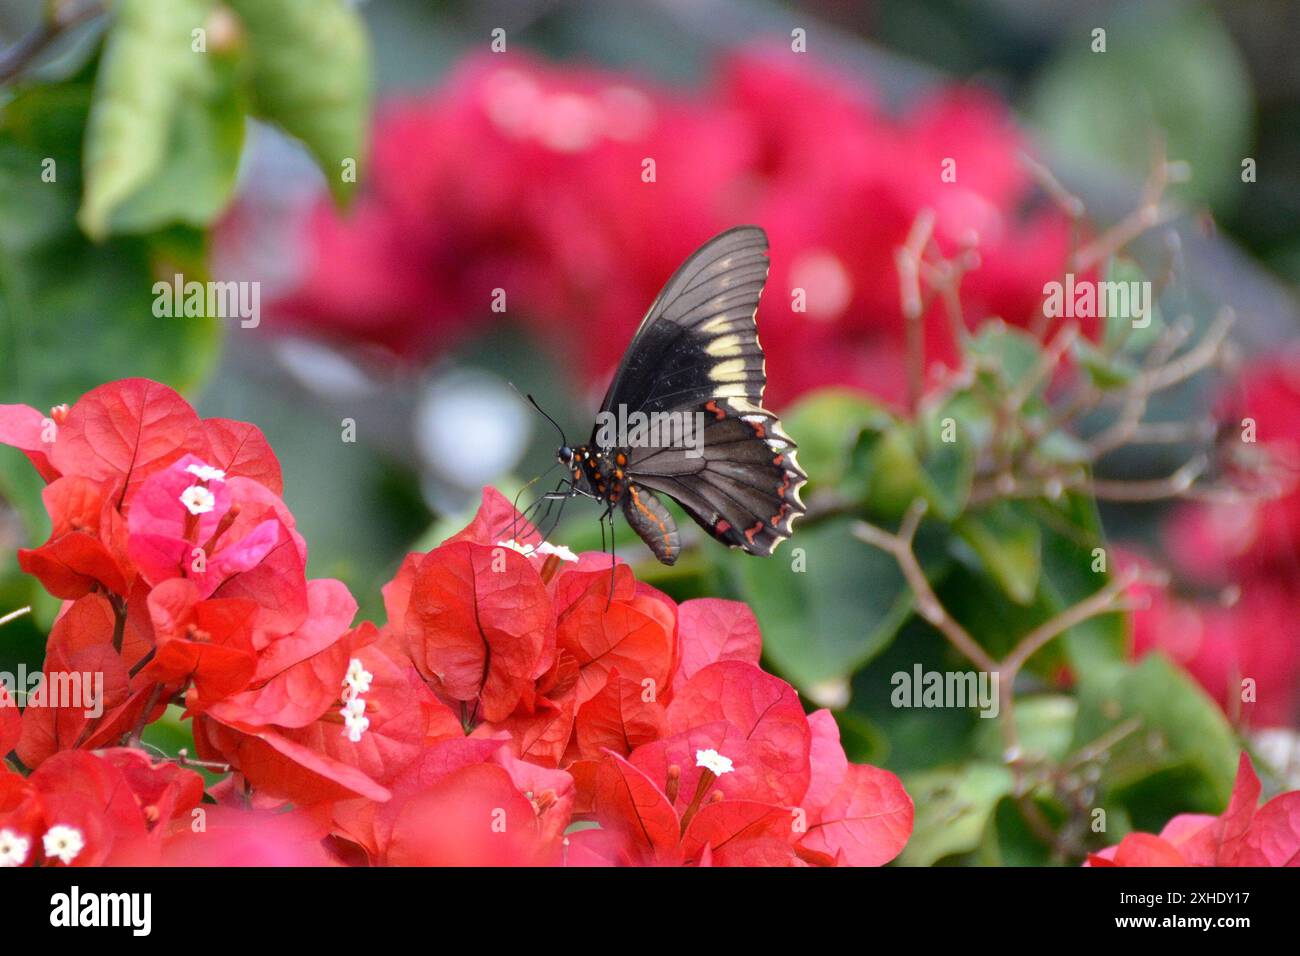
652 522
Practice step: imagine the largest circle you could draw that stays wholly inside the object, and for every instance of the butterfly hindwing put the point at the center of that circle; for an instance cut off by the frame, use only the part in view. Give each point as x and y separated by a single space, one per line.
742 487
698 340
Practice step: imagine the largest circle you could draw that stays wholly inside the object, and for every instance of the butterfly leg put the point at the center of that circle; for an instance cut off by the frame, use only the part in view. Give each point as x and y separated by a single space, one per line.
545 499
613 549
519 494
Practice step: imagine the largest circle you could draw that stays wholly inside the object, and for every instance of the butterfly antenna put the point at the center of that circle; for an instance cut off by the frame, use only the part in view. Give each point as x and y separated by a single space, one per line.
533 402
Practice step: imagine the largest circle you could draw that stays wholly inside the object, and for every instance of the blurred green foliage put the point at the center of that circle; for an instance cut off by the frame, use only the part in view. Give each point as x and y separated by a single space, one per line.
109 180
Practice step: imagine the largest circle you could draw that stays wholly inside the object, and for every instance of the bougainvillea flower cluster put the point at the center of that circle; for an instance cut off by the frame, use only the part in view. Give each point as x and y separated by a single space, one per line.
1245 834
533 178
521 704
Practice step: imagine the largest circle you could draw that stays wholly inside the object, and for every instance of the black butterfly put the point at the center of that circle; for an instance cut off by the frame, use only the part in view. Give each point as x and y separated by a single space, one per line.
696 360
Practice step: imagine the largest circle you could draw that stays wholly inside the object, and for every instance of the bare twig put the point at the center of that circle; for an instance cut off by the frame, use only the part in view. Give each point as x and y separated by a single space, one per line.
62 17
184 759
14 615
1103 601
907 258
1110 598
899 545
1149 213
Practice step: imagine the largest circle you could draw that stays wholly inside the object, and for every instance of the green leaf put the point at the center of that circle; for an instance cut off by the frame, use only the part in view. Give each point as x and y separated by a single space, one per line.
885 472
1009 545
1072 532
953 808
1168 68
1069 532
1044 727
1184 754
198 174
1121 333
1105 371
1006 352
1009 840
826 603
827 425
148 70
311 76
74 314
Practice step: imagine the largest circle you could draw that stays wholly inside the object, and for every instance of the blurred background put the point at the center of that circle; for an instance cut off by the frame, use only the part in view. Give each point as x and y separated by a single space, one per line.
523 170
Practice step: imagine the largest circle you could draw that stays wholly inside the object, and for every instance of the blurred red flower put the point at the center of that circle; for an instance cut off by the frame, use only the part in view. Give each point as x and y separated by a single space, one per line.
530 178
1248 550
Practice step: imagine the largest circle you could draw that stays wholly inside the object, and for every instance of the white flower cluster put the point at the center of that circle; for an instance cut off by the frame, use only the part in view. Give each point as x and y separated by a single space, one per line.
62 843
355 683
197 499
542 550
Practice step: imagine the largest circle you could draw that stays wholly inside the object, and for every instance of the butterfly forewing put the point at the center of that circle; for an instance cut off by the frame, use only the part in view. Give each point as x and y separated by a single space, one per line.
698 340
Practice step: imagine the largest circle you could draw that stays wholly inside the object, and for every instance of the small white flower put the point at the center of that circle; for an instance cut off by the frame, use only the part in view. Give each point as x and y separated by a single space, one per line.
13 849
527 550
712 760
358 678
559 550
353 707
539 551
355 727
206 472
64 843
198 500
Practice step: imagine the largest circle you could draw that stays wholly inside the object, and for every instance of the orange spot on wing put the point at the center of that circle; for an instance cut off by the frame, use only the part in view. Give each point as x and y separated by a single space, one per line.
713 407
750 532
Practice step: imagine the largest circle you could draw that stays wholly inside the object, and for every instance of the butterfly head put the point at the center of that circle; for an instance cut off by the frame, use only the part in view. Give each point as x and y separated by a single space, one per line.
565 456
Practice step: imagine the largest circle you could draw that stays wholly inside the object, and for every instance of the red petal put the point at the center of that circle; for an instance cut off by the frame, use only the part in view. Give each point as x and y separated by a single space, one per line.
496 521
629 636
868 819
126 431
479 618
766 711
741 833
473 817
240 449
618 719
711 630
21 426
629 803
